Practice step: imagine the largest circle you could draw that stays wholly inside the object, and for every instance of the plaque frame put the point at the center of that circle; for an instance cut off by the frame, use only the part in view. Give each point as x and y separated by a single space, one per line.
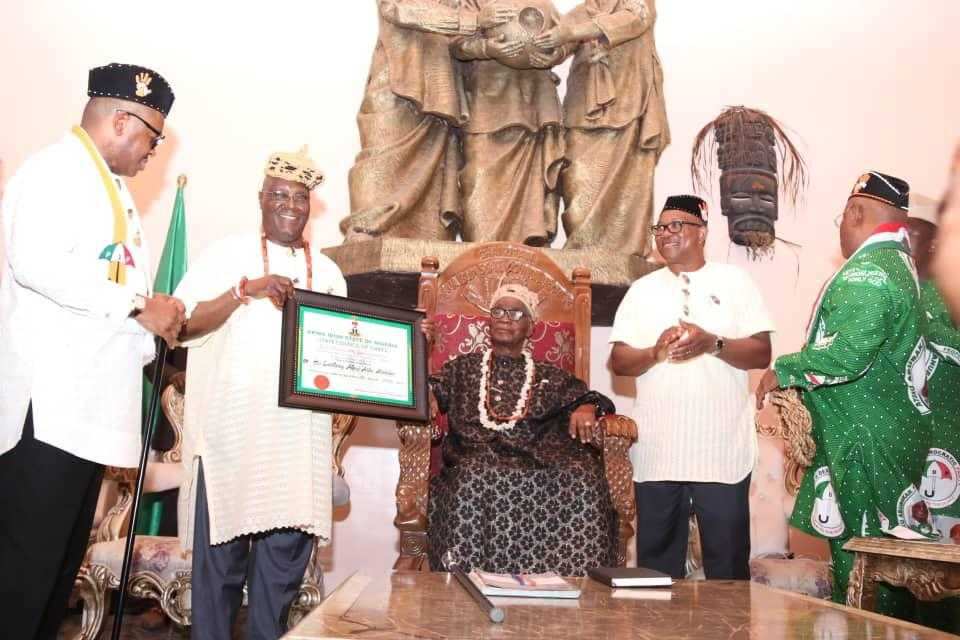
417 409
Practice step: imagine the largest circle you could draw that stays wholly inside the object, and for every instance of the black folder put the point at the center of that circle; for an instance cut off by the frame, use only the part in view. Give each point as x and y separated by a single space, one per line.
629 577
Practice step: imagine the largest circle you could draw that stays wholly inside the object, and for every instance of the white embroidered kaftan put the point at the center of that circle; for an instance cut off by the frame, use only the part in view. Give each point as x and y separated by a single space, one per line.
265 467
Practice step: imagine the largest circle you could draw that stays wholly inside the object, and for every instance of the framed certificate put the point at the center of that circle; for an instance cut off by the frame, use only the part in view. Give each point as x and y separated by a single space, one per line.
346 356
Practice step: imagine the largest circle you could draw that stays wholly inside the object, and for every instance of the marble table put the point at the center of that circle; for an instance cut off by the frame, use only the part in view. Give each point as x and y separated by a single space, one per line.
433 606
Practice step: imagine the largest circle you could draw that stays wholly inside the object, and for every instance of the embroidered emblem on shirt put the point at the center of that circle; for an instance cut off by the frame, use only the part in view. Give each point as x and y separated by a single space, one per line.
947 352
916 376
119 258
715 299
825 516
823 341
143 81
912 511
940 485
873 277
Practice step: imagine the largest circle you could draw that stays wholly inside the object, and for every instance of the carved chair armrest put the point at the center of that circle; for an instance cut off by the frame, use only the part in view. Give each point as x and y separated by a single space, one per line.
343 426
114 523
615 435
412 495
413 486
171 402
614 426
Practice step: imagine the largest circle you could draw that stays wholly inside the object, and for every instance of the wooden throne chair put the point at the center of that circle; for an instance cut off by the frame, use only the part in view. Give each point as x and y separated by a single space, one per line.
455 299
160 568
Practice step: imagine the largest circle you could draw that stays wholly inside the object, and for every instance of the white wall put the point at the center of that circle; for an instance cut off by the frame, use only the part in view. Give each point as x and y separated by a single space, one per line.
864 84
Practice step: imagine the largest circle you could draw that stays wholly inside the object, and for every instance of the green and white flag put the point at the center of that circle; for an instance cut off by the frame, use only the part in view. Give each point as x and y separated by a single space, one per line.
173 265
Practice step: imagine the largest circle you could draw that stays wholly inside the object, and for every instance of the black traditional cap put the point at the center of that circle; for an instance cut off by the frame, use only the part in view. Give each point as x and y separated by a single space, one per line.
133 83
693 205
879 186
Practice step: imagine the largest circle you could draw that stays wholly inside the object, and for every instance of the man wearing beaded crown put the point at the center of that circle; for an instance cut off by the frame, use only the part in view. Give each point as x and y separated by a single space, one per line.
259 474
864 373
77 324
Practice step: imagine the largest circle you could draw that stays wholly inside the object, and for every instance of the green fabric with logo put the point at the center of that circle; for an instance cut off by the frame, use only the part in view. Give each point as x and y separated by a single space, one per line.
863 372
940 486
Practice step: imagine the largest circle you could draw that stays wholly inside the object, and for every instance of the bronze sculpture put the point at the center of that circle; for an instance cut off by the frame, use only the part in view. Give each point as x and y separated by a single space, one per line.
404 181
462 130
616 122
512 137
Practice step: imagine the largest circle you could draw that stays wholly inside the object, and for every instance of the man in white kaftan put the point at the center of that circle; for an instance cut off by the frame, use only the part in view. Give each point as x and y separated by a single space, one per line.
260 474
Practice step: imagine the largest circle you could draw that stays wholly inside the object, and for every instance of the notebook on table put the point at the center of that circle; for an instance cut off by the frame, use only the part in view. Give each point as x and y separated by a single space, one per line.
618 577
524 585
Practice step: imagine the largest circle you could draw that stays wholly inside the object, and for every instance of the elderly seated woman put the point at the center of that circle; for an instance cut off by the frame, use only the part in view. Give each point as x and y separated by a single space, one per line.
521 491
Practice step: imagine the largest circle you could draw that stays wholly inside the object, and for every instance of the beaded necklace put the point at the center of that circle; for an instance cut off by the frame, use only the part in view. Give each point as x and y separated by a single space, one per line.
293 252
485 406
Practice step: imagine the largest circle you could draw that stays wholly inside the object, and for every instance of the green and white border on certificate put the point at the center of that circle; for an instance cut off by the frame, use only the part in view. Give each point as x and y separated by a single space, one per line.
342 355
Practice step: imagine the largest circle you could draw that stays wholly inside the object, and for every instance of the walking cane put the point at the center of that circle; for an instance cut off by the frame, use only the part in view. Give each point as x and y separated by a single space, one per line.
149 423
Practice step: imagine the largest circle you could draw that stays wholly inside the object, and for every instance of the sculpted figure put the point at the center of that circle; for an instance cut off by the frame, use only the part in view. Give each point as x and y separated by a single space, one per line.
512 138
616 123
404 180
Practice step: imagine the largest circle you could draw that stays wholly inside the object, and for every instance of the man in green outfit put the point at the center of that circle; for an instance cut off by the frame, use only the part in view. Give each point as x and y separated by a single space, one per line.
863 371
940 485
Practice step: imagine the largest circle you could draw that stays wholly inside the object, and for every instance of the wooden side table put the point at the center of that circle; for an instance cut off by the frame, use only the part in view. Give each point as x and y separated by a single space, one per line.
930 571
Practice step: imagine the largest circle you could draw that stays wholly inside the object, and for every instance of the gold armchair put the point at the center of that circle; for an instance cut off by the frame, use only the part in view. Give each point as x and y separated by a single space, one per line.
454 299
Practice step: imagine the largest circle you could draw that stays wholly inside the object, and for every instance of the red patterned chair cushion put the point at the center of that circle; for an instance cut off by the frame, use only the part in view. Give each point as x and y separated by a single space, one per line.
459 335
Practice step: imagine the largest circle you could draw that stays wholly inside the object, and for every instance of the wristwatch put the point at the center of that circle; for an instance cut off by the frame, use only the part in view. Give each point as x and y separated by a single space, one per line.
139 304
718 347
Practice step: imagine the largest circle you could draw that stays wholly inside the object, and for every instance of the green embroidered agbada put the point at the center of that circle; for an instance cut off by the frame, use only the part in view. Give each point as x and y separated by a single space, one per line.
864 375
940 485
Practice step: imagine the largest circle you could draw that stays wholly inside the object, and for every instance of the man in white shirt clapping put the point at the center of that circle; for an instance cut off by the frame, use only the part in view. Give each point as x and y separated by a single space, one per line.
689 333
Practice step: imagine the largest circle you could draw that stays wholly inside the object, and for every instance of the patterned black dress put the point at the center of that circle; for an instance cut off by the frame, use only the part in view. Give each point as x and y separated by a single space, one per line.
527 500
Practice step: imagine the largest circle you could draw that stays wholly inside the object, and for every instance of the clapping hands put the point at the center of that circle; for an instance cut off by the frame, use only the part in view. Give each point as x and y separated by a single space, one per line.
692 342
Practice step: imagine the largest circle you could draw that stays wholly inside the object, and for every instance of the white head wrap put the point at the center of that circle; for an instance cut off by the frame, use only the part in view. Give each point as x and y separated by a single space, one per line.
529 299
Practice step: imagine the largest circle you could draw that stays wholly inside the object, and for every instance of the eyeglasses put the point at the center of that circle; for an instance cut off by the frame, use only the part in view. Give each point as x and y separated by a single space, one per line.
673 227
499 313
283 196
158 140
